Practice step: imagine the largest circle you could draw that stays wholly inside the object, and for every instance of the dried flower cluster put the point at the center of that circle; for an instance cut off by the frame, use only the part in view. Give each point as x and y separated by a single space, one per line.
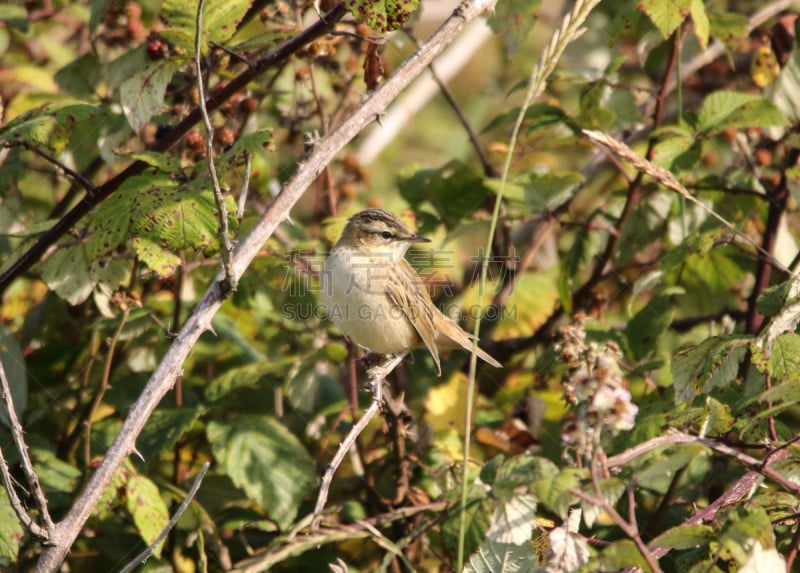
595 385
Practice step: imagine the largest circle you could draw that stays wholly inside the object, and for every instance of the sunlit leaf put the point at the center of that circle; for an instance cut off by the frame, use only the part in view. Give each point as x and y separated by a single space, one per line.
512 21
713 363
221 20
382 15
149 512
728 110
266 460
11 531
667 15
142 95
513 520
493 556
50 127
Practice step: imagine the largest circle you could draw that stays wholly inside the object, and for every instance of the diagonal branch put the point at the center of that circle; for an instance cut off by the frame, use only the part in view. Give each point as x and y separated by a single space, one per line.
170 367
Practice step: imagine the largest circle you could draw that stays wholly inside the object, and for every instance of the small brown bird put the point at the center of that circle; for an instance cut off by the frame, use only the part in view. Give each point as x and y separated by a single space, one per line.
376 298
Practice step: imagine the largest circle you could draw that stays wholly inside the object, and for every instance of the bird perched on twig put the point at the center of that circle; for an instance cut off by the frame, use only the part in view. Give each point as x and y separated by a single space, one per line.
377 299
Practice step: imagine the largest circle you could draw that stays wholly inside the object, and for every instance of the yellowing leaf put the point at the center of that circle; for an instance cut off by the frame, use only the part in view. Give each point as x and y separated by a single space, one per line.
446 404
764 69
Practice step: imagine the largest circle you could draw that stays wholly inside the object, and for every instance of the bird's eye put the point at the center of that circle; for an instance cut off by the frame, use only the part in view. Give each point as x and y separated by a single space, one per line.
386 235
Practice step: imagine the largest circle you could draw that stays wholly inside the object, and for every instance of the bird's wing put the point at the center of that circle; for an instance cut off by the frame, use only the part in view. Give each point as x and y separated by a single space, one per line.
405 289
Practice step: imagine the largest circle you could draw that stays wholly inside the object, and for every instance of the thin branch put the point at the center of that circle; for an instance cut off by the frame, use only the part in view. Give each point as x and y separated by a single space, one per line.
104 386
27 468
488 168
222 211
143 556
630 529
77 177
377 374
307 171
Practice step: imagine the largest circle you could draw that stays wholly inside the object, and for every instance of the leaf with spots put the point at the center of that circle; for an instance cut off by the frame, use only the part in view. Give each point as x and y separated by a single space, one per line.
382 15
73 275
149 512
733 110
512 21
667 15
142 94
178 217
221 20
157 258
51 126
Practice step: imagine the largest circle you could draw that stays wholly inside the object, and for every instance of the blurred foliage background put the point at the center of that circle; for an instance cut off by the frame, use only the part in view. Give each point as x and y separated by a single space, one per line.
650 359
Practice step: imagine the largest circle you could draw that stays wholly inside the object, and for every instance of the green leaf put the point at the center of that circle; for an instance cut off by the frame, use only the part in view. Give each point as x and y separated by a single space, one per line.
622 555
571 264
50 126
644 330
553 489
677 148
772 300
221 20
733 110
11 531
178 217
14 365
537 116
785 361
163 428
546 192
149 512
713 363
454 190
667 15
729 28
382 15
158 259
266 460
743 526
246 377
611 490
685 537
658 471
72 275
493 556
513 20
142 95
702 26
81 76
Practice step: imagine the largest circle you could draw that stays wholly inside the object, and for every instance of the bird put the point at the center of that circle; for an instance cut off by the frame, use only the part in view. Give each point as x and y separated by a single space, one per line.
376 298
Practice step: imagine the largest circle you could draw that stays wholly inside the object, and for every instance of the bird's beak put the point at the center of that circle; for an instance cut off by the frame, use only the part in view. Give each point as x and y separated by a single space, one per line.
417 239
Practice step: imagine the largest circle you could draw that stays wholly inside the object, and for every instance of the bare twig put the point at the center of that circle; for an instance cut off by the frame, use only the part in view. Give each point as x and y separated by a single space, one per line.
170 367
142 557
226 248
629 528
46 531
377 374
104 386
296 545
488 168
85 183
